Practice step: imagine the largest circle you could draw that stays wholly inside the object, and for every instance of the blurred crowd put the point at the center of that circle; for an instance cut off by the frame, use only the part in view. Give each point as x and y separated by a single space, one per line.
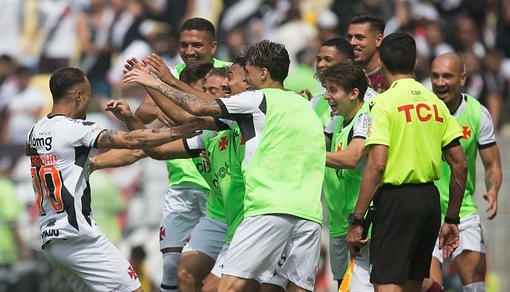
39 36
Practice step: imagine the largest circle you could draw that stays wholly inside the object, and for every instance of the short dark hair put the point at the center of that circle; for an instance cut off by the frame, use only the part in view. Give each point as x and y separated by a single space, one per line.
217 71
193 72
138 252
342 45
198 23
398 53
346 74
64 79
376 21
272 56
240 59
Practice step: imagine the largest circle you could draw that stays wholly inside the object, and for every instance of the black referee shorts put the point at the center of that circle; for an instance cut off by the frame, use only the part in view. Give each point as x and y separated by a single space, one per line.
404 231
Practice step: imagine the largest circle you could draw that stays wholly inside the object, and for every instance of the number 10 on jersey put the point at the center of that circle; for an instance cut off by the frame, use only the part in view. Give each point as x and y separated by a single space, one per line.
48 185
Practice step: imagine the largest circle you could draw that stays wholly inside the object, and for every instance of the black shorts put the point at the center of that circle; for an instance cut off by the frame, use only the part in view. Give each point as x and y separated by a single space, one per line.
404 231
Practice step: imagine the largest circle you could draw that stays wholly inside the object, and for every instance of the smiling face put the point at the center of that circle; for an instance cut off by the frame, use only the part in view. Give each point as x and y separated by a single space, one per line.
236 79
328 57
214 85
447 78
253 76
364 42
196 46
341 102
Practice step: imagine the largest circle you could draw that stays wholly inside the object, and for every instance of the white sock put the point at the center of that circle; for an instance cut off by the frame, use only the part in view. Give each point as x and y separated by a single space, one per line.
474 287
170 263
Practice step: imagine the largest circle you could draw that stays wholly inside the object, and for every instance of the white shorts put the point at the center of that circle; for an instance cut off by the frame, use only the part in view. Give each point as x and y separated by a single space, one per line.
471 238
275 279
217 270
182 210
92 264
208 237
260 241
338 256
360 281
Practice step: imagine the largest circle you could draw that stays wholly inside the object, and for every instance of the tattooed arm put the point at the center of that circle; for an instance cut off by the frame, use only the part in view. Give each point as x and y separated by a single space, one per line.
188 101
146 138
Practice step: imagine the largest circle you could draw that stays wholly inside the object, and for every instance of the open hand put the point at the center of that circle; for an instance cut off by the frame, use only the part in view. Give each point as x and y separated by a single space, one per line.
140 77
448 239
133 63
159 68
492 205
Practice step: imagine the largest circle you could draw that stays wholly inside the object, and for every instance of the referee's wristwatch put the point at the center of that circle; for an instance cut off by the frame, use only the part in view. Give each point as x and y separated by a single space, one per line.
354 220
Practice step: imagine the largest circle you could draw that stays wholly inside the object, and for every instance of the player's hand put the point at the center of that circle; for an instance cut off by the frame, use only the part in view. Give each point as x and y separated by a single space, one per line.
354 241
159 68
140 77
120 109
492 204
306 94
189 129
448 239
133 63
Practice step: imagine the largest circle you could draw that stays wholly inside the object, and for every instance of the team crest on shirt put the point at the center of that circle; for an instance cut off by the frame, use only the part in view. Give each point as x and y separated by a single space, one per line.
223 144
161 233
339 147
466 132
131 272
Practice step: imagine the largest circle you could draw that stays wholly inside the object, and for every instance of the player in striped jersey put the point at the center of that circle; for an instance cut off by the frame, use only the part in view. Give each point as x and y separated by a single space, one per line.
59 145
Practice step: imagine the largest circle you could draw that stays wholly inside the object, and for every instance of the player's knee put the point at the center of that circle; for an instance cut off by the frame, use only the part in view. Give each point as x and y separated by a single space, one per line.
185 277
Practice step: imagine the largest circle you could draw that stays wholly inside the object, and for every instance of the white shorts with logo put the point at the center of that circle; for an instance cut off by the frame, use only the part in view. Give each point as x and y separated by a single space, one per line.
338 256
360 281
208 237
182 210
470 238
217 270
260 241
275 279
92 264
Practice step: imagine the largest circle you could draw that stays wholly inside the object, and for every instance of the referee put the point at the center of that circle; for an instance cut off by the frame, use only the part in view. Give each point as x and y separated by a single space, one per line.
410 128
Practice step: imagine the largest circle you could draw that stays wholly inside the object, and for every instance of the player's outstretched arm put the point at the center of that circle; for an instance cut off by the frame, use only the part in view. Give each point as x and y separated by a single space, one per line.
116 158
147 138
158 106
189 102
158 67
172 150
491 160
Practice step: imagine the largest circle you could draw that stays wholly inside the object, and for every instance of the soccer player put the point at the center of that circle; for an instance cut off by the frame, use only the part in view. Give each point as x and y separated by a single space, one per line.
58 146
365 33
282 215
196 262
448 77
410 131
331 53
197 41
346 84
